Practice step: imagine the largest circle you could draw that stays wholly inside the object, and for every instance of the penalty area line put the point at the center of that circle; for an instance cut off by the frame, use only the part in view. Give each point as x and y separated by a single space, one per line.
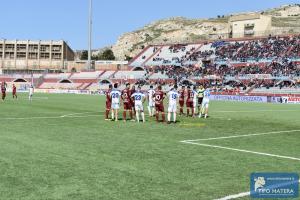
239 136
242 150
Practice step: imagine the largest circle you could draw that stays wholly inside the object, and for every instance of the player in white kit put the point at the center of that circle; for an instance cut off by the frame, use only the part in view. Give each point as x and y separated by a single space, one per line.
195 98
173 96
31 91
115 95
151 103
205 104
139 99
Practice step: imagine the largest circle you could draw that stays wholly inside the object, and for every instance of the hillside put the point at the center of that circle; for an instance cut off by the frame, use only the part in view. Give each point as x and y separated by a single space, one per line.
181 30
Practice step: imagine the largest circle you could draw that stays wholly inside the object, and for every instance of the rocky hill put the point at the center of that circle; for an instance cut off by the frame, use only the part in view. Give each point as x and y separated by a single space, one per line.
182 30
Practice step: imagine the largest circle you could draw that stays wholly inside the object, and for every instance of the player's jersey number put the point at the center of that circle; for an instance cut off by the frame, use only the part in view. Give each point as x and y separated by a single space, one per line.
115 95
138 97
157 97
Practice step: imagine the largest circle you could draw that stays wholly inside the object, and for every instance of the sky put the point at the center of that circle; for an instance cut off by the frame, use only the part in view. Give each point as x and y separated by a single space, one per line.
68 19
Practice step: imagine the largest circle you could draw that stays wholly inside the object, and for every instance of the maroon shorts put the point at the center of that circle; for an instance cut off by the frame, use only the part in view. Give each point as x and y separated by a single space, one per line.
181 103
189 104
14 93
108 105
127 106
159 108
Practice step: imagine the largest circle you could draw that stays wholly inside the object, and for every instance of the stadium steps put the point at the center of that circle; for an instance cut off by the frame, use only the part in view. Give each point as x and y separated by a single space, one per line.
197 49
86 86
80 86
291 48
113 74
101 74
250 89
154 54
137 56
40 80
70 75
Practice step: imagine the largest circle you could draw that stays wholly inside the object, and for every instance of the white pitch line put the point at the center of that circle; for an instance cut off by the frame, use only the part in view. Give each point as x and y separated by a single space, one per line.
252 111
242 150
26 99
48 117
236 196
246 135
72 114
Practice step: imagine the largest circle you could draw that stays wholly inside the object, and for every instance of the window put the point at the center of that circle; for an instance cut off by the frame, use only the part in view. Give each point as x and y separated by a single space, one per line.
33 47
44 56
32 55
56 48
9 47
21 55
21 47
9 55
56 56
45 48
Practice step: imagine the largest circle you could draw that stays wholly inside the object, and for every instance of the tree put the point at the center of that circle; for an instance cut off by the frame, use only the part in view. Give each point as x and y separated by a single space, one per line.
84 55
108 54
128 58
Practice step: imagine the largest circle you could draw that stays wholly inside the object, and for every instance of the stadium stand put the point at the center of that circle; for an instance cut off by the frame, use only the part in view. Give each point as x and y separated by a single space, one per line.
245 66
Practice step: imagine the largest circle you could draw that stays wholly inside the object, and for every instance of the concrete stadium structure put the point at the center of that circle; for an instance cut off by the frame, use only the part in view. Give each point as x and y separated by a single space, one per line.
28 55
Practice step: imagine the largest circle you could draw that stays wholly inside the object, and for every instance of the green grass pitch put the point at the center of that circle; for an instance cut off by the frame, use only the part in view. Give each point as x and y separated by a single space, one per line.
60 147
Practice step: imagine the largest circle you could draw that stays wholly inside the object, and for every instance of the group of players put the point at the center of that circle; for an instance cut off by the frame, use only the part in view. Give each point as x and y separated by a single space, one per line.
14 91
195 99
3 91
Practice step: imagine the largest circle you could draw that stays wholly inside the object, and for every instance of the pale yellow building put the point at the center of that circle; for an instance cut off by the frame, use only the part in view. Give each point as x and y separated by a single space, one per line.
250 25
28 55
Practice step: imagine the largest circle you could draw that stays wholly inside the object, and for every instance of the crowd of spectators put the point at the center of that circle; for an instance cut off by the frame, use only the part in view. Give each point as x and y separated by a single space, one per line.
265 48
277 47
202 65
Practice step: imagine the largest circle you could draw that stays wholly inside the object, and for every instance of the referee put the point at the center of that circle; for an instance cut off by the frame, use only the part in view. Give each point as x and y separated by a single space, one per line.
200 97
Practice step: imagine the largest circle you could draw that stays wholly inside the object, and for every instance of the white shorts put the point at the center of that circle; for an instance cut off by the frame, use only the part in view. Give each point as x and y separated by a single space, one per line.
205 103
139 107
151 104
172 108
115 106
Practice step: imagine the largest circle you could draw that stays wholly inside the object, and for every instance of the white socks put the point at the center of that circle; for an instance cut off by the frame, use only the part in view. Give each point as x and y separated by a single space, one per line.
174 117
143 116
150 111
137 116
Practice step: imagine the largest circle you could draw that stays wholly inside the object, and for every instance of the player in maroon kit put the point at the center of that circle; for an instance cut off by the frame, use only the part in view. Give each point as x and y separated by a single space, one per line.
132 91
125 95
181 99
14 91
108 102
159 96
3 90
189 101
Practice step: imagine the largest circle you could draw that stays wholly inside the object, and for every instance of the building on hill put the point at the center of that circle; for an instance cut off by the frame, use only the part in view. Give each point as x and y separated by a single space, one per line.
250 25
28 55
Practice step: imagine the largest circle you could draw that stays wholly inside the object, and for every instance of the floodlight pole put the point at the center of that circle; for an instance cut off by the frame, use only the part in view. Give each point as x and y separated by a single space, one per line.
90 35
